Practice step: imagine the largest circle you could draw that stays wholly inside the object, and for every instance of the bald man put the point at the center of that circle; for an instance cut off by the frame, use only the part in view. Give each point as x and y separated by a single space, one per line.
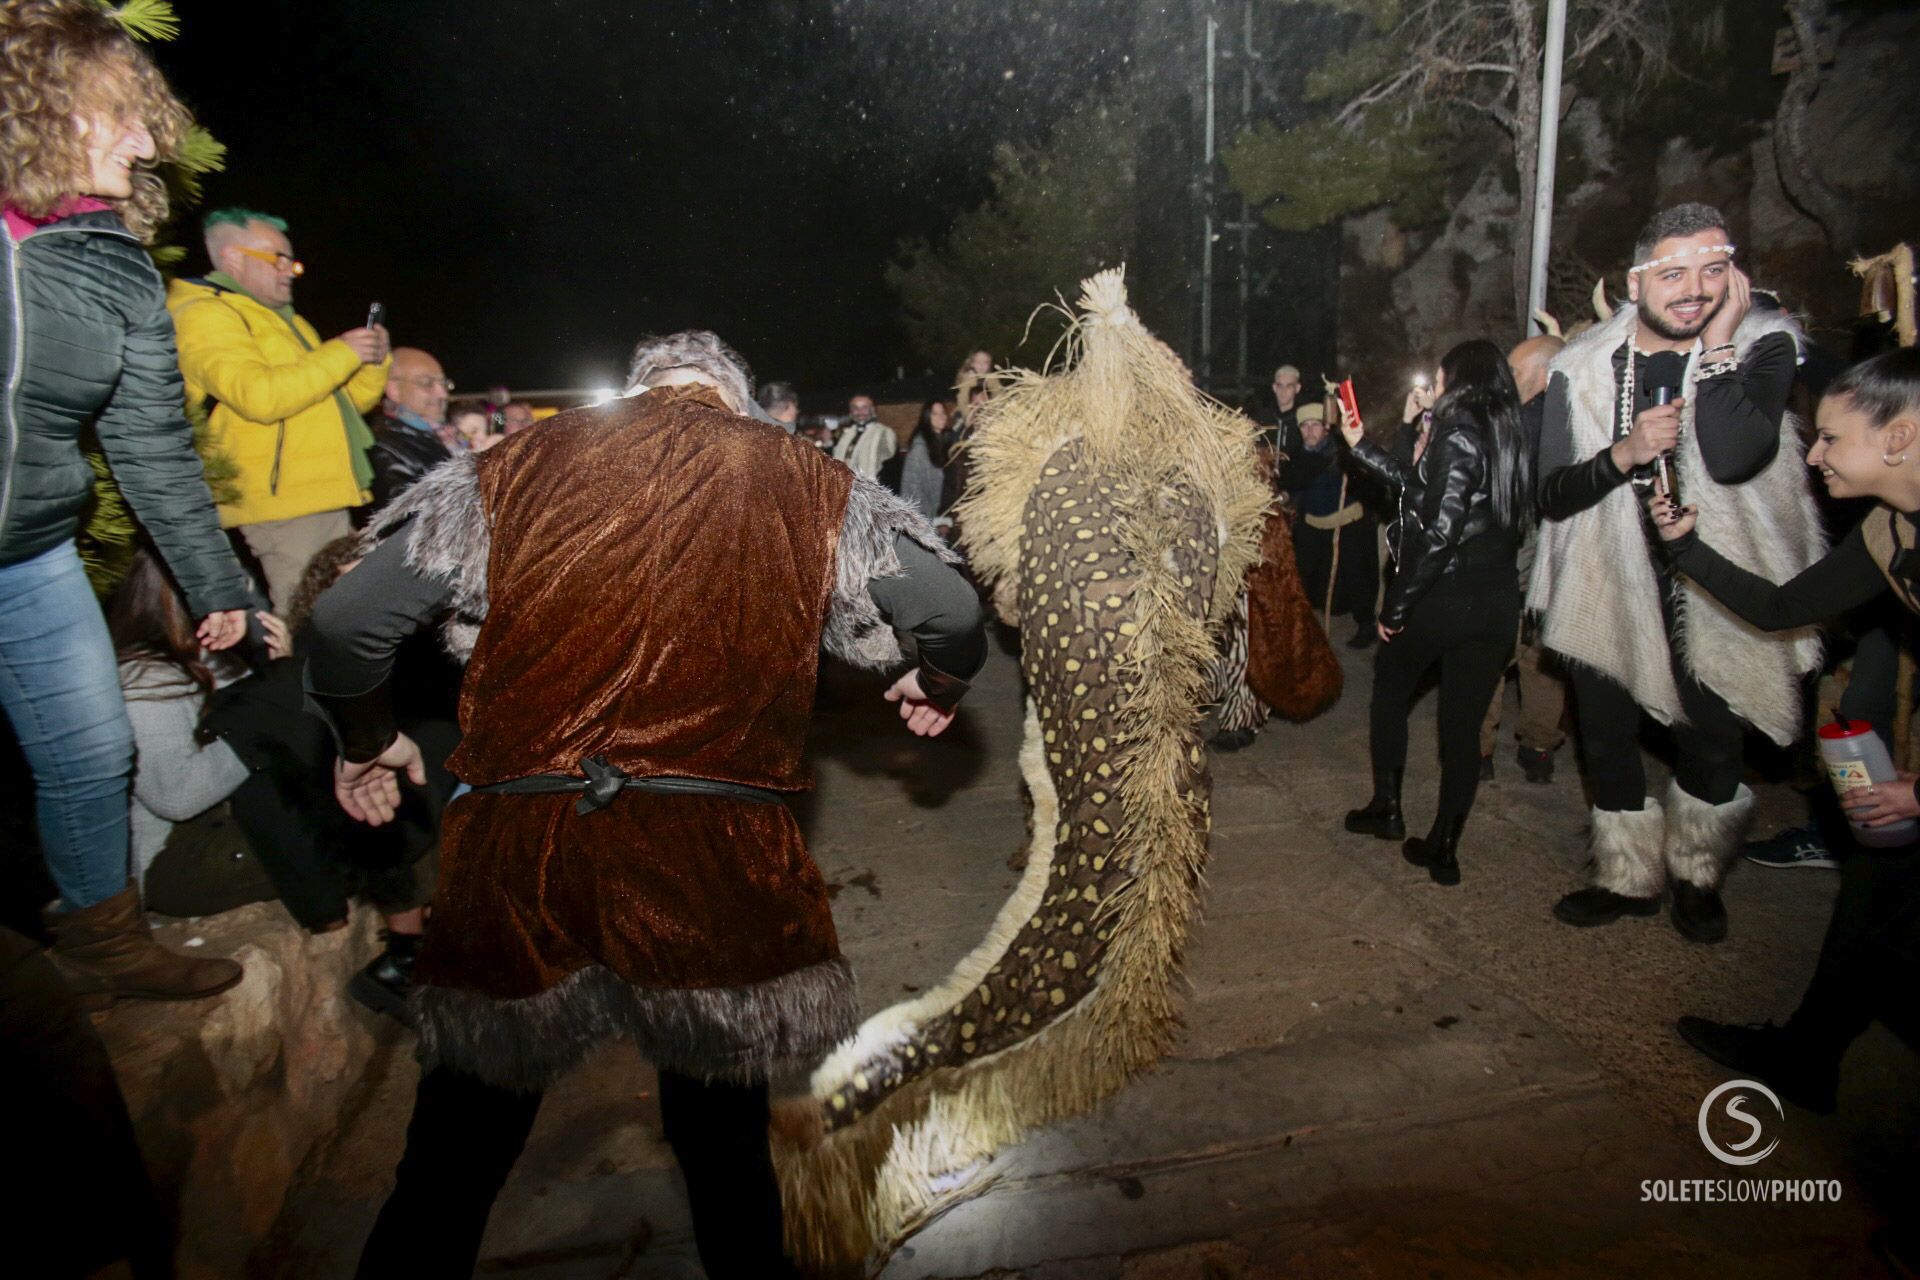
411 437
1543 691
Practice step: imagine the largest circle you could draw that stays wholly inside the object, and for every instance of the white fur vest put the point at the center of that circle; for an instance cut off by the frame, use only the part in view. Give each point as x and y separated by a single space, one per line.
1594 584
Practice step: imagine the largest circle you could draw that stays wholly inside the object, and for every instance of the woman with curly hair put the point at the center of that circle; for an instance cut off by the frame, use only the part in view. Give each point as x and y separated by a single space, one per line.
86 345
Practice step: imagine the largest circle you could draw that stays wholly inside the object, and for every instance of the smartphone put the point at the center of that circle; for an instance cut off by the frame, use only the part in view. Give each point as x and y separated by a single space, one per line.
376 315
1352 403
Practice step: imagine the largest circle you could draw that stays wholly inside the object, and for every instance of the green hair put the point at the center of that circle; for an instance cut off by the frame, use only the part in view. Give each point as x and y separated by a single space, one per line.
235 216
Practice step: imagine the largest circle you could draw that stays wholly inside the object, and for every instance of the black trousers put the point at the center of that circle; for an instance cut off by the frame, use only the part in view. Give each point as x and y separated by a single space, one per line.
1870 961
466 1134
1358 584
1467 625
1711 744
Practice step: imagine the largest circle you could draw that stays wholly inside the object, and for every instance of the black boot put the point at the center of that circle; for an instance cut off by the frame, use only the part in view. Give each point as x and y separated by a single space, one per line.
1771 1054
1698 913
1438 852
1536 765
1363 636
1382 816
383 985
1596 906
1233 739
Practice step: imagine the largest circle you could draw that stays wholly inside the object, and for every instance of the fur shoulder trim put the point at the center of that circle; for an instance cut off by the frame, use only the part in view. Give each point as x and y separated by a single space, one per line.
449 539
855 631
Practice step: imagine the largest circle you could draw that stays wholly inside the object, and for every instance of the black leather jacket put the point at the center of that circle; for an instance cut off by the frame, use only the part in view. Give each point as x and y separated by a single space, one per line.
400 455
1446 524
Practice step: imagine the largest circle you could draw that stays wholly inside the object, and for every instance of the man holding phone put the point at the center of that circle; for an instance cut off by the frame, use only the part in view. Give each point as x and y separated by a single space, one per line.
286 406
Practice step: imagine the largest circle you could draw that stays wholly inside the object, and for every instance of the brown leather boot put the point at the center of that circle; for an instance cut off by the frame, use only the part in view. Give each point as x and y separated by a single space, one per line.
107 952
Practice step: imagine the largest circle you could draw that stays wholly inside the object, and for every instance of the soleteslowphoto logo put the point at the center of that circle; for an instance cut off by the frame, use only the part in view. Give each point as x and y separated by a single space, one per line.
1739 1125
1734 1100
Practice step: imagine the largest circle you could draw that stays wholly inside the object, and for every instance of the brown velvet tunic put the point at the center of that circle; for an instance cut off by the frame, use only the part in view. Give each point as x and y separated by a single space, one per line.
658 579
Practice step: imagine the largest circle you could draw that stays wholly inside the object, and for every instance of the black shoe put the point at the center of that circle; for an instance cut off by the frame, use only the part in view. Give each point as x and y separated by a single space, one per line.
1593 906
383 985
1438 853
1381 817
1363 637
1233 739
1698 913
1770 1054
1486 768
1537 765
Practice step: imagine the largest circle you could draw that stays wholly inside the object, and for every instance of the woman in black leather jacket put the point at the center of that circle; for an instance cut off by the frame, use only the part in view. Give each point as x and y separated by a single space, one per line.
1463 509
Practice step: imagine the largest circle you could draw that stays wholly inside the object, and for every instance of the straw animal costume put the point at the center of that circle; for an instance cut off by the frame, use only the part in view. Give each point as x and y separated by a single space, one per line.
1117 511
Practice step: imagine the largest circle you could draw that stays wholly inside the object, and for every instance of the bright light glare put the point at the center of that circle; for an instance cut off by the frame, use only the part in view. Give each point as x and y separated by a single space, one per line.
603 395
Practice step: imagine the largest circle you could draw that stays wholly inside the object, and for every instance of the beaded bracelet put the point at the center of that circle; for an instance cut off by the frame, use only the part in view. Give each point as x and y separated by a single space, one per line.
1717 368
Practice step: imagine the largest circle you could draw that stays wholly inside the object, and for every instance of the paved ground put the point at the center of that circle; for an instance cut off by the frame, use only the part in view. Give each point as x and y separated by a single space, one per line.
1380 1077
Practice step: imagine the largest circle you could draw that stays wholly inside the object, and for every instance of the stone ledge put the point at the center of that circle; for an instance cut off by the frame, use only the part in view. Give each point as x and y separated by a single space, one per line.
232 1096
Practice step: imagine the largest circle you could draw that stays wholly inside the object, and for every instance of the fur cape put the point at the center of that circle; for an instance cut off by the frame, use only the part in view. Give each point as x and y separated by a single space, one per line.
1594 584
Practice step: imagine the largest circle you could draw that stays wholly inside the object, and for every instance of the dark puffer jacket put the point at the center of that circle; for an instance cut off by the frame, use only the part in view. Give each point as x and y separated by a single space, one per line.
85 340
1446 524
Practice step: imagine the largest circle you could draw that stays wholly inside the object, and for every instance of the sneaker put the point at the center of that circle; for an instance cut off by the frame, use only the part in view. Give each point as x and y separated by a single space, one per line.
1769 1053
1794 847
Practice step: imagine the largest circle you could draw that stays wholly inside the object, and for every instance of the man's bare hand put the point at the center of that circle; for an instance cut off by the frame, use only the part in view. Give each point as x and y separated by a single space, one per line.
922 717
1726 320
1655 431
222 630
371 345
370 791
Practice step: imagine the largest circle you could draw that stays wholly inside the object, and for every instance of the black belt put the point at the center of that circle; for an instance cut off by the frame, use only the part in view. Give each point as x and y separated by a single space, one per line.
604 781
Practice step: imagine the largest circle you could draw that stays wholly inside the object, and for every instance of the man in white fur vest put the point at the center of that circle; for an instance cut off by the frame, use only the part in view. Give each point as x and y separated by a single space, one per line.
1635 638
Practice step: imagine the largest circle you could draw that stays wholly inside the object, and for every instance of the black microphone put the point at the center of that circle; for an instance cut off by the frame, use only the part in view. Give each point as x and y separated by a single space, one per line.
1663 465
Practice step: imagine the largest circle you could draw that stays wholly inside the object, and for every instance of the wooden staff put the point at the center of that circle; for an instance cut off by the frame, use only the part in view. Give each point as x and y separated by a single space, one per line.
1330 407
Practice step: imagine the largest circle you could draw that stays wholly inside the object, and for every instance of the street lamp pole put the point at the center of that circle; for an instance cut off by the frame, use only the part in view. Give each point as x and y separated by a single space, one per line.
1543 173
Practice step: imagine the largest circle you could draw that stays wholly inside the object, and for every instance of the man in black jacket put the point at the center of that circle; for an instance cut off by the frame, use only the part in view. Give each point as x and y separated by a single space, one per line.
410 436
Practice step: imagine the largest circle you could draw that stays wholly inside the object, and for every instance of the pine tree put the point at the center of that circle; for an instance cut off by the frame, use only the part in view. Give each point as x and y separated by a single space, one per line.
106 540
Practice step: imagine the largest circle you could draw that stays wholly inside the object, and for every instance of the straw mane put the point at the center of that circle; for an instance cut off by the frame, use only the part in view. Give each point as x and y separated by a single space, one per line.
1116 511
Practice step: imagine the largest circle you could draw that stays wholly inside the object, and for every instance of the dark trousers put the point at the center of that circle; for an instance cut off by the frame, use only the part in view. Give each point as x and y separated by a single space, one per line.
1710 744
466 1134
1870 961
1357 585
81 1196
1468 628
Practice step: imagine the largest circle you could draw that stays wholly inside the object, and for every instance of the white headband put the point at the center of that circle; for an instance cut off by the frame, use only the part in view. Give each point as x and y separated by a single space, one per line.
1651 263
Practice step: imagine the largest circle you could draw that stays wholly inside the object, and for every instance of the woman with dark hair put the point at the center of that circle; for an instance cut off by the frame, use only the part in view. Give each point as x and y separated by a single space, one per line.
181 769
918 472
1463 511
86 345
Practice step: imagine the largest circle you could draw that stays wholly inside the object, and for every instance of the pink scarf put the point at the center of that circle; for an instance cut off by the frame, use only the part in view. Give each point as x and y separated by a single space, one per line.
20 225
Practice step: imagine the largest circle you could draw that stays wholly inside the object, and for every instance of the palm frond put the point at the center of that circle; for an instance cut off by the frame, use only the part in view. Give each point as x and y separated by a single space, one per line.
146 19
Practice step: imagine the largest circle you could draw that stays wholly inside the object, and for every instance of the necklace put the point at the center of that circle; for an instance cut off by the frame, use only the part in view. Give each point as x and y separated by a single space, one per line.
1627 386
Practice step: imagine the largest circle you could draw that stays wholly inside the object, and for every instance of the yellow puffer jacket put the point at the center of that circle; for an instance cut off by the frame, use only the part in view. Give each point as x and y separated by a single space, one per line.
272 381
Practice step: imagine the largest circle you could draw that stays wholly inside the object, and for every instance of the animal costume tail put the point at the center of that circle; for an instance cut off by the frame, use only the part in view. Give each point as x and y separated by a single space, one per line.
1116 510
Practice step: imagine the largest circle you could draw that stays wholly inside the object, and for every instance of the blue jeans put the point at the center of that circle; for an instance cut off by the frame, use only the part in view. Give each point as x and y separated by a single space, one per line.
60 684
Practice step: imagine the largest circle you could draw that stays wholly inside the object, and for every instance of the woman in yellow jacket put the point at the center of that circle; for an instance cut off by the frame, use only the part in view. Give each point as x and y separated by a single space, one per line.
286 406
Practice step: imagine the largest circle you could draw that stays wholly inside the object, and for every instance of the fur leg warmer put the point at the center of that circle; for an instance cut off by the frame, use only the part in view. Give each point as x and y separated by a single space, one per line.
1702 838
1627 847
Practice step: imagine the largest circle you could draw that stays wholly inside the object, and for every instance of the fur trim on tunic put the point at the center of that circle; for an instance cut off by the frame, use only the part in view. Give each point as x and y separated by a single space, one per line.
1702 838
1627 846
1594 583
450 540
746 1035
856 633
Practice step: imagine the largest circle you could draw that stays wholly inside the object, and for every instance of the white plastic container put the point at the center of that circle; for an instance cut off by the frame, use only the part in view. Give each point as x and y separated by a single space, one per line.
1855 757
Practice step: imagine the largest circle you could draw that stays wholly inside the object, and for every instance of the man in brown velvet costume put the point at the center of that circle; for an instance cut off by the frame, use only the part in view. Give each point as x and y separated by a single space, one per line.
641 591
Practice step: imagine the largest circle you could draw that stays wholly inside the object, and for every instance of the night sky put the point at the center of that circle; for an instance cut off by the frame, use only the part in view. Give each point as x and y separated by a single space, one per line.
530 187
